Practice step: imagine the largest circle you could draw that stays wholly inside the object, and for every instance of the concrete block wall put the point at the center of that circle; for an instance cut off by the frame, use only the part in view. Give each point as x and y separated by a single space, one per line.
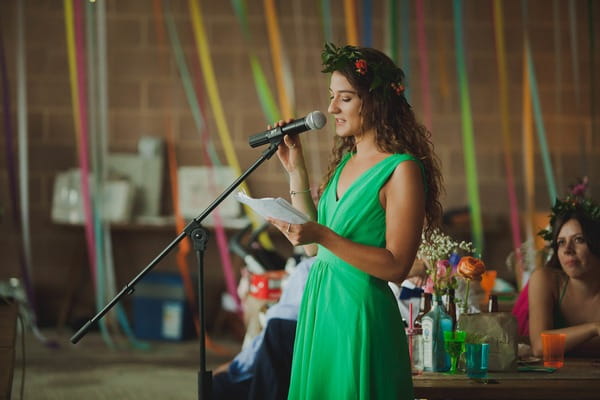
144 96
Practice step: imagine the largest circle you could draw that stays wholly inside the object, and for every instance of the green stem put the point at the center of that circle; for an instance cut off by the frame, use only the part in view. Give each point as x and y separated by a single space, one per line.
466 302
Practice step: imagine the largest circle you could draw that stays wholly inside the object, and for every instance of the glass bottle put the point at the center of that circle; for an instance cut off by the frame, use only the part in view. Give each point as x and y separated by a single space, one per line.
424 308
493 303
452 307
435 322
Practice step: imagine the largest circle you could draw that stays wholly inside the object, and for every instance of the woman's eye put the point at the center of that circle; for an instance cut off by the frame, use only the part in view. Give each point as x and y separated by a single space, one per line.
560 243
579 240
346 99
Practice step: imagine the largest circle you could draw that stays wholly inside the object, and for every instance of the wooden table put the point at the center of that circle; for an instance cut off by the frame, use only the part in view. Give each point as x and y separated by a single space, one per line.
578 379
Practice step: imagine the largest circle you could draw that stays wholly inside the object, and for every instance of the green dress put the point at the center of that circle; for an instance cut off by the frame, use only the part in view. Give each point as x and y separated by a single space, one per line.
350 341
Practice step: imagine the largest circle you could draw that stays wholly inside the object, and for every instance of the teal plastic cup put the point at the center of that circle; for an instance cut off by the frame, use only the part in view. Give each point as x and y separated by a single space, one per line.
476 357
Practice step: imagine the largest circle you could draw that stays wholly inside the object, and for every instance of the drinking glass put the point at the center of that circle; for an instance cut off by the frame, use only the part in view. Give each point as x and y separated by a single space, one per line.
477 355
455 345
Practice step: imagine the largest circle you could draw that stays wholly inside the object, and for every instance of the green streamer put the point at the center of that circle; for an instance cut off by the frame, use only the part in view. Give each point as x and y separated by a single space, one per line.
539 123
326 20
186 80
467 132
265 97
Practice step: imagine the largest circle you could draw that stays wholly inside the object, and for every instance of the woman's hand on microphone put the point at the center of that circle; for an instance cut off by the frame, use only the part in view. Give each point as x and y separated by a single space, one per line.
290 151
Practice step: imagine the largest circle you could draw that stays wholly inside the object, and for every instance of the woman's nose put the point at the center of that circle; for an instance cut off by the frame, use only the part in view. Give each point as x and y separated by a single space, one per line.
570 247
333 108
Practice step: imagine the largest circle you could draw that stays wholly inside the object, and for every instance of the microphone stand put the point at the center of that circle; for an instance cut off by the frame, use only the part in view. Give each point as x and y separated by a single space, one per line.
199 237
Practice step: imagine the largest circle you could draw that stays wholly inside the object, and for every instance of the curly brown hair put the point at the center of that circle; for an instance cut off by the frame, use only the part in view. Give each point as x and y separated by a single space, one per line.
396 127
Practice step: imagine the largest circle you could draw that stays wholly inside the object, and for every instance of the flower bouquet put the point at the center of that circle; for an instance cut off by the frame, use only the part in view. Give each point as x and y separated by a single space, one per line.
446 260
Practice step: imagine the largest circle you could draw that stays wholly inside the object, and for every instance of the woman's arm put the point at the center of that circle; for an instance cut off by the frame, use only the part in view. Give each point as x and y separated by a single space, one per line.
301 199
404 199
543 295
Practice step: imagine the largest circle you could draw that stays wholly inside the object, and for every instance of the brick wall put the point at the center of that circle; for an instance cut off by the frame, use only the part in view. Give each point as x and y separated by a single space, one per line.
139 91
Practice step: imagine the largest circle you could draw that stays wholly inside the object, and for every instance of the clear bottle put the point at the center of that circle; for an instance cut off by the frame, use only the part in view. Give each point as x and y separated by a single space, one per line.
424 308
493 303
435 322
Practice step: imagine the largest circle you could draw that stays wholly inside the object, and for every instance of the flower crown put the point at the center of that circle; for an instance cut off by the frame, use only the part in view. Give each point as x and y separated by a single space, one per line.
385 75
575 200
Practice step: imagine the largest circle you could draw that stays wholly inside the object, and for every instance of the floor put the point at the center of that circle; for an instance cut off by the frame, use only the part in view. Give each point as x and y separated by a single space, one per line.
93 370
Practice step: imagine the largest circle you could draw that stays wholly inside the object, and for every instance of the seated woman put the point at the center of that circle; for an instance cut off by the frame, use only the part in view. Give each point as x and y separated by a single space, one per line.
564 296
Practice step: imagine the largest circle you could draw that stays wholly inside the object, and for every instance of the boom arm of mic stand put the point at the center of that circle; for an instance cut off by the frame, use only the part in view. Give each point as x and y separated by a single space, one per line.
190 230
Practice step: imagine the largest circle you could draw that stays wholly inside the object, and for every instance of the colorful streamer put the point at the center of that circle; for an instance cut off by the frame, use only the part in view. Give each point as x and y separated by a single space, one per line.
467 130
11 164
266 99
325 10
367 25
184 246
351 22
80 122
528 169
539 122
23 150
506 136
423 64
280 66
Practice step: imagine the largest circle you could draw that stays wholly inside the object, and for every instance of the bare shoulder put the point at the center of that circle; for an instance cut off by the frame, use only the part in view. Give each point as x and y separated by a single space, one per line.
408 173
545 278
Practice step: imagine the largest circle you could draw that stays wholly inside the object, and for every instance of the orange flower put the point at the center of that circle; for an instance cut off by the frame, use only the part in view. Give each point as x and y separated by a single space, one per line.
470 268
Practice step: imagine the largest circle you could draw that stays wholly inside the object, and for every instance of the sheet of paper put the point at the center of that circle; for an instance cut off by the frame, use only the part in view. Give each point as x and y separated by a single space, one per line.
273 207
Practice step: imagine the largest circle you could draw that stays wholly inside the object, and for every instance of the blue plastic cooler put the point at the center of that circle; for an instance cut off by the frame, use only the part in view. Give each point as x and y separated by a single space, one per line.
160 311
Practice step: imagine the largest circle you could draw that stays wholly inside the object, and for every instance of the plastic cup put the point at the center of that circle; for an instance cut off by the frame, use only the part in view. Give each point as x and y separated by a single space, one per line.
476 357
553 347
415 349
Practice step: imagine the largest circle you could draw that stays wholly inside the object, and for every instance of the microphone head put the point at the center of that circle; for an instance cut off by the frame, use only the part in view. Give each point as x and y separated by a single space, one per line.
315 120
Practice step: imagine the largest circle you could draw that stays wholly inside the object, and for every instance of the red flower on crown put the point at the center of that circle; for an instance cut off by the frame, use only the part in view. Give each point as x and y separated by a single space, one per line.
398 88
361 66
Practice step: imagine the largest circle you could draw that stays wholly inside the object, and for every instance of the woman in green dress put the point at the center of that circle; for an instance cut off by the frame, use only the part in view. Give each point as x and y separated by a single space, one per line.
379 195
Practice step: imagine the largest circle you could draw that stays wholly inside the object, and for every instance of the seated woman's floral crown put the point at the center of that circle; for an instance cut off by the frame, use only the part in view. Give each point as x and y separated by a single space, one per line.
384 75
575 200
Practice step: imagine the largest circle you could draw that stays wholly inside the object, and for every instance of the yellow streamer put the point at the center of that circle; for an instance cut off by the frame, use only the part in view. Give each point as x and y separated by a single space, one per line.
216 105
277 57
72 68
350 14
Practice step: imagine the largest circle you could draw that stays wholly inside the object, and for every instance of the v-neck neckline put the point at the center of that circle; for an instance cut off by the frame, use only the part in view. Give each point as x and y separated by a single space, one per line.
337 197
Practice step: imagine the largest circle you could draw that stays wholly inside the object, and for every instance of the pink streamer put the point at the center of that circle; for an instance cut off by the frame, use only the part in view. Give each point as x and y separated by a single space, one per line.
83 140
423 63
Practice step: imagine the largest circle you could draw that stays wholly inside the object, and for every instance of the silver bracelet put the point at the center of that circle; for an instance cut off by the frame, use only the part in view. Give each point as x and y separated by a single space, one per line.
294 192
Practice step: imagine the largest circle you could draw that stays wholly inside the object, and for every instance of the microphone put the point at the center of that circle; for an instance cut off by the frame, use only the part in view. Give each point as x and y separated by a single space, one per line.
314 120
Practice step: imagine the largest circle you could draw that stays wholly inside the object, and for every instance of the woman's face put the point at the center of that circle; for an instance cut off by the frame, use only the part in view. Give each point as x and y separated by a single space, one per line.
345 106
574 254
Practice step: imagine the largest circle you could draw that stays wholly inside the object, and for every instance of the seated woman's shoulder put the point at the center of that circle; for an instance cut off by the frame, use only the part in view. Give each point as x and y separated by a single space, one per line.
548 275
